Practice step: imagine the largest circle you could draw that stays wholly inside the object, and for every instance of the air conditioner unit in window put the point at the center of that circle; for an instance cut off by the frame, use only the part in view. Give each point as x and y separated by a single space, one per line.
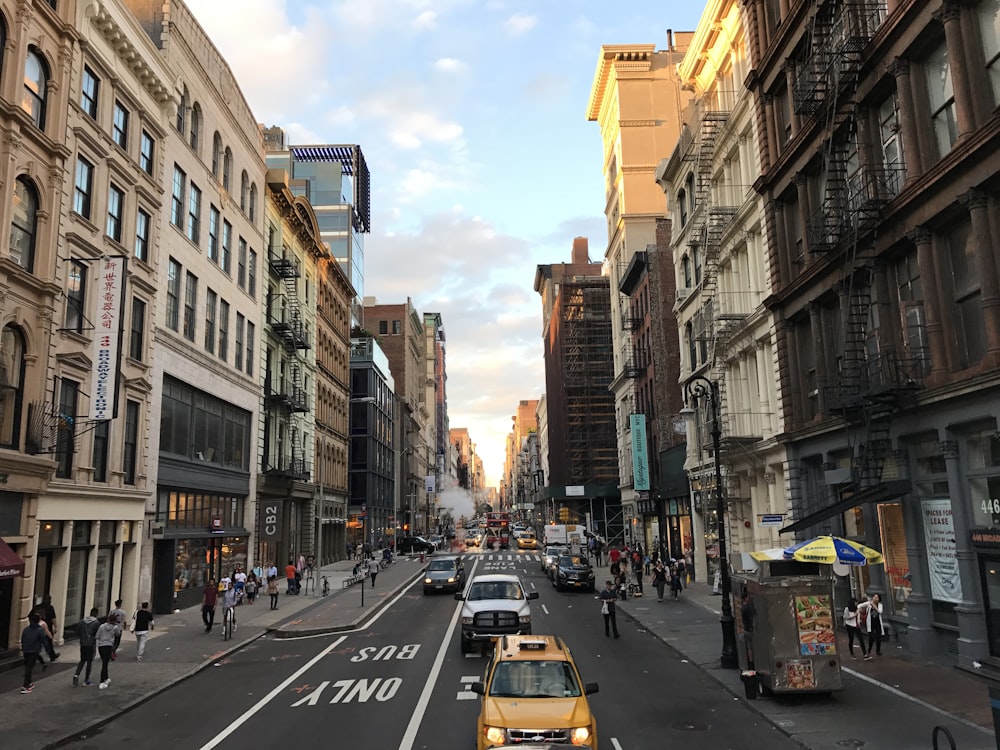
682 293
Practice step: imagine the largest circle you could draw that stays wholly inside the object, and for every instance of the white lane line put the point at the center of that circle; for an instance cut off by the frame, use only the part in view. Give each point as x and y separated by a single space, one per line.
214 742
616 743
545 609
410 736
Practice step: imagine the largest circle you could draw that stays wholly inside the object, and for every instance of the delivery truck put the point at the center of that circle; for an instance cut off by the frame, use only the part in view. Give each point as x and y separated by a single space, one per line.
574 536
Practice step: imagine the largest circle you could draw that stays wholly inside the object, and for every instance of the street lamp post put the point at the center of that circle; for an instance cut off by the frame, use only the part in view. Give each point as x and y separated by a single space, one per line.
695 389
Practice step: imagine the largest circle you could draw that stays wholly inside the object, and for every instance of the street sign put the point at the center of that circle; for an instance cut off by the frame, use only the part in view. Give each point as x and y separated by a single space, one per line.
771 520
527 506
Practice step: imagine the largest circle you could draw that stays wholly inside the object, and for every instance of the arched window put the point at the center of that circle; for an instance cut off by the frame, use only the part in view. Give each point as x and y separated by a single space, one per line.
195 127
253 202
216 154
3 40
691 193
682 206
686 267
36 76
11 386
244 190
692 346
181 123
227 169
23 223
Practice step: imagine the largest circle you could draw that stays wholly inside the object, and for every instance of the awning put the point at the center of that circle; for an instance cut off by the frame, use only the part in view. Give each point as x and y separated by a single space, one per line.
11 566
880 494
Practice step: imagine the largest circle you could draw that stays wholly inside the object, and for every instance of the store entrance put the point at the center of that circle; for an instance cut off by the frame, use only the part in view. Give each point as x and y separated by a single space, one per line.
989 573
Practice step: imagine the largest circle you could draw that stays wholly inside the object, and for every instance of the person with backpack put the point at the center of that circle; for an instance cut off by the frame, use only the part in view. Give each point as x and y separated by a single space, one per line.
32 643
86 632
142 623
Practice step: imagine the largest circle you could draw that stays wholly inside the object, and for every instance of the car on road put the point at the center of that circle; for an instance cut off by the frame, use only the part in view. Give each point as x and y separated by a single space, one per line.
532 692
550 554
572 572
444 574
473 539
437 540
414 545
527 540
495 604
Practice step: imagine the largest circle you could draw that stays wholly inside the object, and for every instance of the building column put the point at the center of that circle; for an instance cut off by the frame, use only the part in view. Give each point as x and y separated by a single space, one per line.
806 210
983 249
912 158
972 638
819 353
780 250
932 304
920 636
771 125
950 15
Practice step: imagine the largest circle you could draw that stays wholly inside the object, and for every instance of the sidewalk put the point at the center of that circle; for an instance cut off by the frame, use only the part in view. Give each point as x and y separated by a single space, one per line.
962 696
178 648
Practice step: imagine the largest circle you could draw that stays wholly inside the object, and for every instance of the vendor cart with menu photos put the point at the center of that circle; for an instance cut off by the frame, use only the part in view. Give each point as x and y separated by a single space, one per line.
793 644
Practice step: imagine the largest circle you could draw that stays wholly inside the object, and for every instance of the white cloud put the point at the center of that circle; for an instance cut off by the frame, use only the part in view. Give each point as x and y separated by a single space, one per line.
450 65
425 21
519 23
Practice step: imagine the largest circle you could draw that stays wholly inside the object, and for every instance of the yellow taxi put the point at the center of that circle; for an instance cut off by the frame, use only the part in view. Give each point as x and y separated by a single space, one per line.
532 692
527 541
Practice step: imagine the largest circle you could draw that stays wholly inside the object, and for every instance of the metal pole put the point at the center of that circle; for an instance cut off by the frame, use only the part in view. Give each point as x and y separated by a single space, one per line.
364 571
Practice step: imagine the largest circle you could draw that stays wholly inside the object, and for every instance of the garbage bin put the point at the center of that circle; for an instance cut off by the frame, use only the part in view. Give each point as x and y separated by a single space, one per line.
750 685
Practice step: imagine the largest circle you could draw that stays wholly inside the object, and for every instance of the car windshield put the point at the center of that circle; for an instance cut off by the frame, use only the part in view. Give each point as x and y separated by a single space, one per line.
572 561
441 565
481 590
534 679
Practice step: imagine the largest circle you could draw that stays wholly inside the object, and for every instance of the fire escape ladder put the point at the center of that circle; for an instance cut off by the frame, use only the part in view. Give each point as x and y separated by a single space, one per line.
812 82
870 455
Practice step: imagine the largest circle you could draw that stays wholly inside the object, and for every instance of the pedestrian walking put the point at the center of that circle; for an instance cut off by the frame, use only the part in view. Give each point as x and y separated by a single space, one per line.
272 590
272 572
46 644
290 573
86 633
142 623
615 556
119 615
873 624
373 569
853 630
637 569
251 587
32 643
239 581
107 636
675 582
48 615
659 580
209 599
608 597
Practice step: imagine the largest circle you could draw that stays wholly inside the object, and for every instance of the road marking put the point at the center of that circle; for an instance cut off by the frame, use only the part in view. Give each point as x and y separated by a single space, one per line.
544 609
616 743
215 741
466 694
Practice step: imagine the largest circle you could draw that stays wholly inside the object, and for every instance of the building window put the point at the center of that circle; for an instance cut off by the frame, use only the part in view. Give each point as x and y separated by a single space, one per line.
692 345
244 191
102 432
223 330
396 327
238 348
989 25
250 344
36 76
137 330
213 234
190 303
194 214
686 271
211 302
227 240
11 385
142 220
173 294
696 258
131 443
76 293
782 113
177 198
383 327
942 99
969 319
119 125
682 207
913 322
90 87
69 395
252 274
253 202
216 154
83 186
146 153
227 168
199 425
180 124
195 127
116 208
892 144
241 264
24 224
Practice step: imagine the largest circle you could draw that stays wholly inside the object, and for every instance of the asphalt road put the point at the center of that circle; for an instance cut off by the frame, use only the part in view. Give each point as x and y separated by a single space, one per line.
400 681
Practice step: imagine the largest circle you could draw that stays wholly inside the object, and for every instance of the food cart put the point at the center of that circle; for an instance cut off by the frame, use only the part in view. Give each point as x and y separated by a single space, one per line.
793 648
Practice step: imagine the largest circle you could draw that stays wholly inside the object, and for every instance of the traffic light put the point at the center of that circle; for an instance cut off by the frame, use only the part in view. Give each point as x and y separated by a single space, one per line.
564 514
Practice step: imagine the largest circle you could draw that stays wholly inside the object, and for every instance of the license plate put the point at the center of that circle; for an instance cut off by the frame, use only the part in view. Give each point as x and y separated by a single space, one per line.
439 586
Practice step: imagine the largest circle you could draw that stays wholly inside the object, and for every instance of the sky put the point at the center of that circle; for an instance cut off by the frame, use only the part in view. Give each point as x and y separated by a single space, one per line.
472 118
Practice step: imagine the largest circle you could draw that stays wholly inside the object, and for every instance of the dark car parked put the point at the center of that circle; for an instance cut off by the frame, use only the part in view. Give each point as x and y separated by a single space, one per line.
572 572
414 545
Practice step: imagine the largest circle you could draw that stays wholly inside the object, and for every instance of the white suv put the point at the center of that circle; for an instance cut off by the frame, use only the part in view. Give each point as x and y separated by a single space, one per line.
495 605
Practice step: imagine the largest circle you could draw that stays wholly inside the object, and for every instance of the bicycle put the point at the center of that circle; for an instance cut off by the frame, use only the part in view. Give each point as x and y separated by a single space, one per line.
228 623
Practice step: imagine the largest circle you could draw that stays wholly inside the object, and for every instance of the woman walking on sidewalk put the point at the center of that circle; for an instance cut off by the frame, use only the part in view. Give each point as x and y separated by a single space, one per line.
873 624
851 623
107 634
659 580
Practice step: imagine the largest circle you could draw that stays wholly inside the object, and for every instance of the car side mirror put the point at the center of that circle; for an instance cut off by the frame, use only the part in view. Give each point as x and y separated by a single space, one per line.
479 688
590 688
459 597
533 595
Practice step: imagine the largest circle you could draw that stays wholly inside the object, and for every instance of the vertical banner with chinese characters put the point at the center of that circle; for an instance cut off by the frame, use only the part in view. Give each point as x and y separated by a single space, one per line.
939 541
640 459
109 284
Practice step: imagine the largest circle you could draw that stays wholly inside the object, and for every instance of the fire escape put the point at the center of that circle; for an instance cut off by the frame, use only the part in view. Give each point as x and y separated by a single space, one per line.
285 393
870 383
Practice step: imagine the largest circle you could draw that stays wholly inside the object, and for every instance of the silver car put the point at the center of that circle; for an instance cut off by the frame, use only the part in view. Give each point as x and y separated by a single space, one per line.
551 555
444 574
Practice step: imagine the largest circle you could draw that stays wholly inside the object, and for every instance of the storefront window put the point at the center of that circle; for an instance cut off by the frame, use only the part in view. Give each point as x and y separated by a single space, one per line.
50 534
191 510
930 471
81 533
983 466
76 589
103 575
197 560
107 532
897 564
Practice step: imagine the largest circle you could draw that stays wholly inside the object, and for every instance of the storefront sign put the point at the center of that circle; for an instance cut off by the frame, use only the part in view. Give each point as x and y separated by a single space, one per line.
270 521
109 287
574 490
640 459
768 520
939 540
986 537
